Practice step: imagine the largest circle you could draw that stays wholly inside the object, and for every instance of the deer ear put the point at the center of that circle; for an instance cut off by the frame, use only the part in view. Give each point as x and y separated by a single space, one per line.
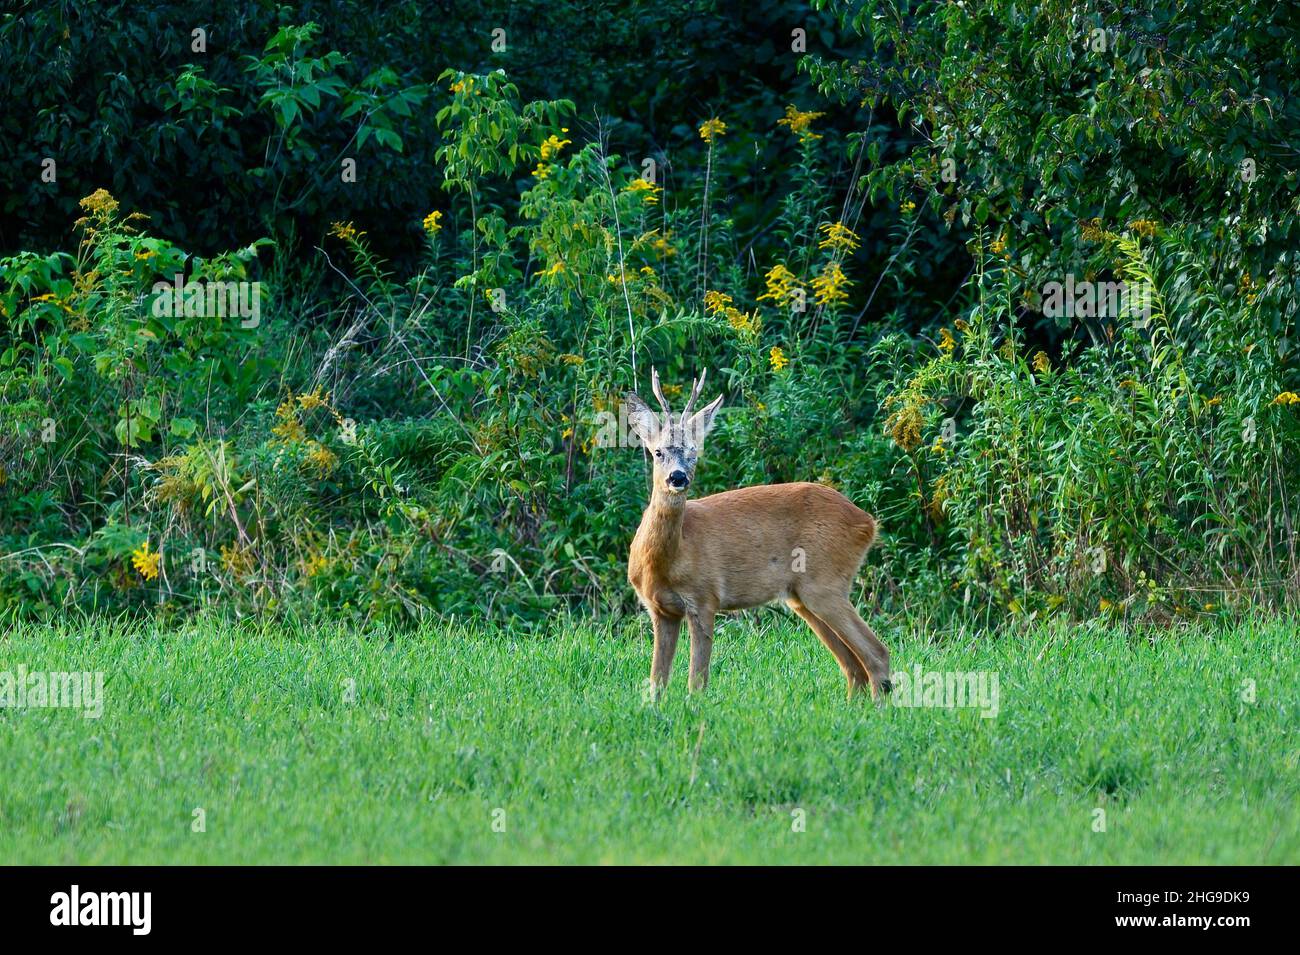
641 419
702 421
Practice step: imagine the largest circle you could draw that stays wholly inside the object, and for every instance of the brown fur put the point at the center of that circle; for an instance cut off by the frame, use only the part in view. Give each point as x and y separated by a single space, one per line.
800 543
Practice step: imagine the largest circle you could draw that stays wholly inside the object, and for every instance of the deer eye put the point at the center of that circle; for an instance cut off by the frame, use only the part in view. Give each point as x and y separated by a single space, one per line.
658 453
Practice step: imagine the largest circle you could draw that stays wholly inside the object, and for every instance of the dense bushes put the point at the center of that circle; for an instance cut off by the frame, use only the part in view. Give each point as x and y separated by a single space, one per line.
390 436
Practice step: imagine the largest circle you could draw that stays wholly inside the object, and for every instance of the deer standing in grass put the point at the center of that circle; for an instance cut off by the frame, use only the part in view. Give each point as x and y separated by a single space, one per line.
801 543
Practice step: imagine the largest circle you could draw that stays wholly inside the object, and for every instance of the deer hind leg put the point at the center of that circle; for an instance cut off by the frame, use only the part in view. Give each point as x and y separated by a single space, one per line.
667 631
701 626
837 610
854 673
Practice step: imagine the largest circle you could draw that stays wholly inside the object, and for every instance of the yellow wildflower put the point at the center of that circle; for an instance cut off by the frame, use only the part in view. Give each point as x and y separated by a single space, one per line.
1041 362
572 359
1287 398
782 286
144 560
742 322
433 222
345 231
1143 227
315 564
542 171
663 246
236 560
1091 230
777 357
908 207
905 427
946 342
321 459
711 129
838 237
715 302
649 191
463 86
830 285
553 144
554 270
799 123
100 202
313 400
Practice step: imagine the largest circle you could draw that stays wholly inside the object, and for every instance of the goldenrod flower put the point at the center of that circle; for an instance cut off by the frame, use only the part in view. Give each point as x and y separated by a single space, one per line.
1041 362
100 202
1287 398
782 286
830 285
463 86
743 322
553 144
663 246
800 123
904 426
1143 227
908 207
236 560
649 191
777 357
715 302
554 270
838 237
711 129
946 342
542 171
321 459
146 561
313 400
433 222
1092 231
345 231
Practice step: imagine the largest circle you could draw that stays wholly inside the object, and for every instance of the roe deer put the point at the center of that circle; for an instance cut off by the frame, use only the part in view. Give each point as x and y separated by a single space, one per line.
801 543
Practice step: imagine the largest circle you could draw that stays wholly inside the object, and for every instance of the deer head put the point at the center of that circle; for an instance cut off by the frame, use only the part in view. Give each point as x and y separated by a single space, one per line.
674 441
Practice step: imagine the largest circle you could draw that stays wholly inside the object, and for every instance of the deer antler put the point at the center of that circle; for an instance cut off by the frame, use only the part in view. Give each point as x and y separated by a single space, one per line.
695 392
659 393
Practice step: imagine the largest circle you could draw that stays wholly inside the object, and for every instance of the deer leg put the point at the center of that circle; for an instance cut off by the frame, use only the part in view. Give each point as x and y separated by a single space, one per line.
701 626
837 611
854 673
661 666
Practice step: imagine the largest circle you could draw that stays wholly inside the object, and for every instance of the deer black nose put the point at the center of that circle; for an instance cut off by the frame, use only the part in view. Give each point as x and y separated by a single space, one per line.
678 479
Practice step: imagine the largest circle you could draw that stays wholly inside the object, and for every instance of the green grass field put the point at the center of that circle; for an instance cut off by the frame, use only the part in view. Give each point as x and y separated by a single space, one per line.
450 730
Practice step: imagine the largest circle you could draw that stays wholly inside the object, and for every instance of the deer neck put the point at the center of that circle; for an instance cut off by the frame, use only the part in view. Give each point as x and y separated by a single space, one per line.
661 528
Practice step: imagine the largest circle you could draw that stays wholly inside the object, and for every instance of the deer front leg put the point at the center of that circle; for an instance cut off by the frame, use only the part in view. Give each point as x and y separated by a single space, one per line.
701 626
666 632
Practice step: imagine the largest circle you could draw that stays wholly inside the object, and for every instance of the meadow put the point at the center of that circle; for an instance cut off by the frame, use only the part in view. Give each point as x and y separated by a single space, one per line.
461 743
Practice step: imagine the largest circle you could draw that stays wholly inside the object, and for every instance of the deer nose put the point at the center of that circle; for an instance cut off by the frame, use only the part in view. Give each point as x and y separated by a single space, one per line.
678 479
